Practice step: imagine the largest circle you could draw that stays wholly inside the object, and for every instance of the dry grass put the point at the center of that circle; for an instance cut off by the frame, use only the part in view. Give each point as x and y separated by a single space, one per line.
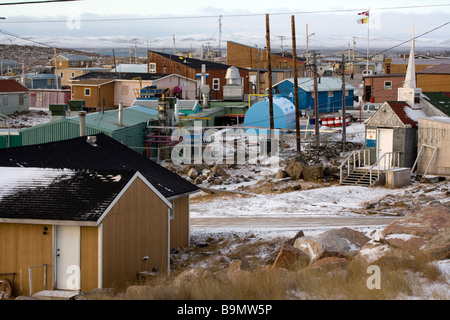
402 277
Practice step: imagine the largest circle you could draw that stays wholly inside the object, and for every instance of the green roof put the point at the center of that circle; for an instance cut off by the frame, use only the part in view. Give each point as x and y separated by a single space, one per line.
108 121
441 100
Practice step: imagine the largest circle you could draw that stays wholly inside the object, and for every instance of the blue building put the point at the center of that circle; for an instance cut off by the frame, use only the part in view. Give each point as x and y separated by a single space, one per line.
39 81
329 93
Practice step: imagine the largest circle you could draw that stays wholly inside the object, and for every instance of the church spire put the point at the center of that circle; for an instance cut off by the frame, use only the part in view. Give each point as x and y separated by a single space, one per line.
410 79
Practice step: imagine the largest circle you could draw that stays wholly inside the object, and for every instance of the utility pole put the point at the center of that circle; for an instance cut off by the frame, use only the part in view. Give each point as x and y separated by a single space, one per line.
281 39
56 68
307 53
269 74
316 103
344 127
297 107
220 36
135 51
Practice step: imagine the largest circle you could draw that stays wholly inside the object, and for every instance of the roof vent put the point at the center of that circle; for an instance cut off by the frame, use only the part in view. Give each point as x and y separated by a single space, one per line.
92 140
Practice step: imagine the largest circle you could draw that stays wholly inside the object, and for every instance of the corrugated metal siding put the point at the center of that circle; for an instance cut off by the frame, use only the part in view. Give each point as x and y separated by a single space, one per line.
132 137
54 131
15 141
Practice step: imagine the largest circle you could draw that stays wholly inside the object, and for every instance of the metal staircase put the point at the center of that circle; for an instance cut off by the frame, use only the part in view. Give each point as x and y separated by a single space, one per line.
360 177
357 170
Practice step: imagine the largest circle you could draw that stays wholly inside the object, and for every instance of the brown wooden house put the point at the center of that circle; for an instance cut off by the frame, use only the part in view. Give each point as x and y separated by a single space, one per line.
90 227
191 68
98 94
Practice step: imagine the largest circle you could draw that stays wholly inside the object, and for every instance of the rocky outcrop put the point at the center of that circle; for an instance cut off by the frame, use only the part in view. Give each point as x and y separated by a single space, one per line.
427 230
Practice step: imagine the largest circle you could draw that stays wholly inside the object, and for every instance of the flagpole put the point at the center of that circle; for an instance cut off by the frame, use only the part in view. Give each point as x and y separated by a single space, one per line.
368 37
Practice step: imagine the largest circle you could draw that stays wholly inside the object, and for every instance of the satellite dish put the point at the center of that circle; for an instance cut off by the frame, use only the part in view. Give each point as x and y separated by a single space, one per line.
204 89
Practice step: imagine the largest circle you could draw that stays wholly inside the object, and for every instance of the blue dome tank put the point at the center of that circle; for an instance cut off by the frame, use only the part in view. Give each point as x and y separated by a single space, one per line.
283 113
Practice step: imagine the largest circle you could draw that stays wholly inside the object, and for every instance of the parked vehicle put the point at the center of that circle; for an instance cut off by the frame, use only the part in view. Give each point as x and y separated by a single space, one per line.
364 112
367 73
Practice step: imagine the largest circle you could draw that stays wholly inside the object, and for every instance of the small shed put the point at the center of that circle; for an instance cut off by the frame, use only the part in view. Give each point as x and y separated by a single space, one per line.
434 146
393 128
126 211
329 93
80 230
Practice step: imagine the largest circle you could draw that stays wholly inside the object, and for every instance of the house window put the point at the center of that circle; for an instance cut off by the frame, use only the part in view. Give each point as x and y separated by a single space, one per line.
330 94
61 75
388 85
216 84
5 100
49 82
73 74
87 92
152 67
346 93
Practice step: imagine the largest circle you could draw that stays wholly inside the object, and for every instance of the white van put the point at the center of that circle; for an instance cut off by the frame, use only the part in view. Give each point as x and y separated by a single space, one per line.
367 73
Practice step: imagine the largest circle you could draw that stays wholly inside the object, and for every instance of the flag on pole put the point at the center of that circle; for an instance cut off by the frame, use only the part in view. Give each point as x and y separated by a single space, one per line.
363 20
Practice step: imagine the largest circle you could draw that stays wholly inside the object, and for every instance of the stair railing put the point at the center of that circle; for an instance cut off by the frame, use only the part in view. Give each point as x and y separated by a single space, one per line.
363 157
388 160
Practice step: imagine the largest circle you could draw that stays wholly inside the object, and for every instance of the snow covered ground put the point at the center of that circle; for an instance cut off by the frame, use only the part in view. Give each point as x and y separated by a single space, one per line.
331 201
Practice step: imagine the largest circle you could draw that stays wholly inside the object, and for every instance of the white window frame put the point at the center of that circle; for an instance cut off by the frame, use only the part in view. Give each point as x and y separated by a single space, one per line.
87 92
216 84
386 86
152 67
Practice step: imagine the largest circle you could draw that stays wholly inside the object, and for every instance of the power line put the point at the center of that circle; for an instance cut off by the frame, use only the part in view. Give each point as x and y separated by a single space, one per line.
34 2
221 15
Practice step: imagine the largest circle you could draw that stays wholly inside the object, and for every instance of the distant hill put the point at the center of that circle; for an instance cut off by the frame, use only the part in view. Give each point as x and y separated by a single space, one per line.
35 58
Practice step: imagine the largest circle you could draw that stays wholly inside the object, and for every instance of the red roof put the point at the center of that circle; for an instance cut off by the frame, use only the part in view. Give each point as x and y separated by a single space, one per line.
399 108
11 86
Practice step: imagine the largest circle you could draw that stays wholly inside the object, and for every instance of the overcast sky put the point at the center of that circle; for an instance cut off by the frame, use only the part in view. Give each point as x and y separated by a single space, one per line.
331 22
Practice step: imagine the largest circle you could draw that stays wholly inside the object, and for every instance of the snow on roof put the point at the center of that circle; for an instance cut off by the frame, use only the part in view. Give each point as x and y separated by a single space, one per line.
59 194
438 119
324 84
17 178
413 114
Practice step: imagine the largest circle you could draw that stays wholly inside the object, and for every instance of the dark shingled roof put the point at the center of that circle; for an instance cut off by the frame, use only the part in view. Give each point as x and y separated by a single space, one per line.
399 108
52 194
106 154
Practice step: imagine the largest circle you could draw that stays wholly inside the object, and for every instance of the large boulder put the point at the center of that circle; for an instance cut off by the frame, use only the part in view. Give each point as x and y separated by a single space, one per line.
312 248
341 242
294 167
291 258
313 172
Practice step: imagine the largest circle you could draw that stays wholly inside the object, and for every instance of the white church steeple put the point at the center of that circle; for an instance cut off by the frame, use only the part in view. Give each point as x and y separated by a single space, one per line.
409 93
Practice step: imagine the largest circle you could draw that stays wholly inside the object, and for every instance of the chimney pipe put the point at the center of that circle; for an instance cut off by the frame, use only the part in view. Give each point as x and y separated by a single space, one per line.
82 116
120 114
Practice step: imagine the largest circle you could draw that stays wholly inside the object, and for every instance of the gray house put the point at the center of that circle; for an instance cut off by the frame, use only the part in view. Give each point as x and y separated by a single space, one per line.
393 128
13 97
9 67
